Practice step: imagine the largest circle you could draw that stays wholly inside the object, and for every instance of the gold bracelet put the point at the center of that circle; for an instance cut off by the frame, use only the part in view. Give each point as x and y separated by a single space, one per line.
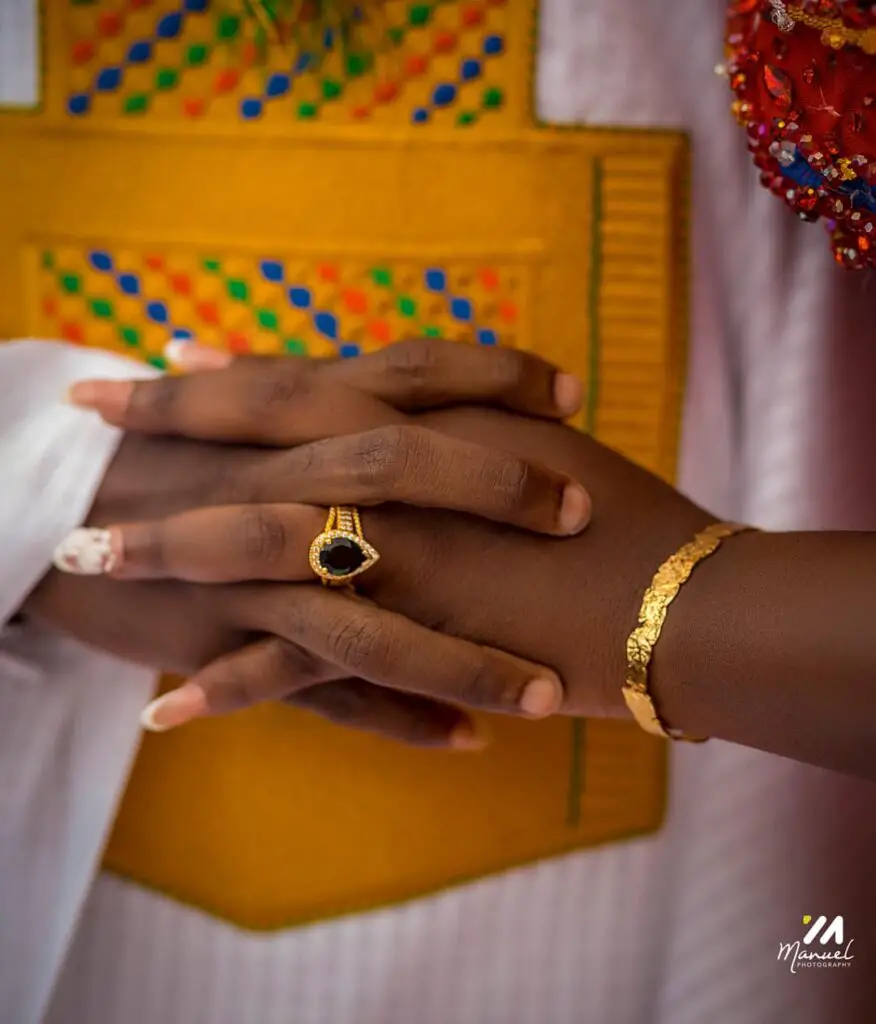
668 580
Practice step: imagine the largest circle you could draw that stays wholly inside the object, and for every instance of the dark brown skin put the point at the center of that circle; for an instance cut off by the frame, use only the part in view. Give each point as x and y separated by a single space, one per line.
770 644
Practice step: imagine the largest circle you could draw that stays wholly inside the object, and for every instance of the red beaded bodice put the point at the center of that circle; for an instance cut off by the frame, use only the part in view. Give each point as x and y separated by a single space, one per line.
804 78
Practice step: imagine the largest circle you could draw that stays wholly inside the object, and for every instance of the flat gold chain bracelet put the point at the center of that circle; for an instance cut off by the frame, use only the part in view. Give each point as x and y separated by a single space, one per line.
668 580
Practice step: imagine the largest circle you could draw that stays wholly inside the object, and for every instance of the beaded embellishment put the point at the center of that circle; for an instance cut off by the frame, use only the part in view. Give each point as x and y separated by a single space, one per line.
804 78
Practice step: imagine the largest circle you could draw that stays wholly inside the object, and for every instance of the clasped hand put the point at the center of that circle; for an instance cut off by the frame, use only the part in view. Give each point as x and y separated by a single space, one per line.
224 478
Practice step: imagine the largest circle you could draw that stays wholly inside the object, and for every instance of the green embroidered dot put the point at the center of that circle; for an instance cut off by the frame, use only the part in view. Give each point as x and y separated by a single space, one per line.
136 103
196 54
158 362
433 332
396 35
466 117
381 276
407 307
129 335
419 14
331 89
307 110
267 319
71 284
358 64
295 346
211 265
493 97
101 308
166 78
48 260
238 290
228 26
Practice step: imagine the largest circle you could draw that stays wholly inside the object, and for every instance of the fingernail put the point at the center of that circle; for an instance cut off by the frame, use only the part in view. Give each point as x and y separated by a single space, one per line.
108 397
541 697
88 552
174 709
574 510
568 393
189 356
466 738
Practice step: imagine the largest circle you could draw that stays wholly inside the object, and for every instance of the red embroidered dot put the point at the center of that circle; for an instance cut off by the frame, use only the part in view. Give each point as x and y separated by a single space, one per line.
83 51
193 107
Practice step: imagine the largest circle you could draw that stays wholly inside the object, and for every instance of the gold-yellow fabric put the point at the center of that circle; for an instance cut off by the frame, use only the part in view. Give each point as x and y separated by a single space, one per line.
175 181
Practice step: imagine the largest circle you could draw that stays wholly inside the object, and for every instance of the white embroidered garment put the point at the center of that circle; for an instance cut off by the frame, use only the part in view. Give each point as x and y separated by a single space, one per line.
680 928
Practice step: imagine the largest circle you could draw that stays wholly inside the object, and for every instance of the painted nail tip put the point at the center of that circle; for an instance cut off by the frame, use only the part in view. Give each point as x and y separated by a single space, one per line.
85 551
147 718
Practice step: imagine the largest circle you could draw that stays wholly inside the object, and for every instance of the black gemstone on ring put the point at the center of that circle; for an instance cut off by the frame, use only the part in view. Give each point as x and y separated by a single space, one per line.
341 556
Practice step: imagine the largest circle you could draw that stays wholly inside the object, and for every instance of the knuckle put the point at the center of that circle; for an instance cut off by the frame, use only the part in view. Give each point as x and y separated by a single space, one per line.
511 482
382 458
271 391
356 643
414 365
157 400
262 536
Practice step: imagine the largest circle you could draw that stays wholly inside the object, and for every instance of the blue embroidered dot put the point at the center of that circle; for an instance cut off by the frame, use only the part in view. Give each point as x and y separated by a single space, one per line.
327 324
470 69
493 45
444 94
303 62
129 284
487 337
420 115
101 261
436 280
461 309
300 297
108 79
196 6
348 350
78 104
278 85
251 108
157 311
169 26
183 334
272 270
140 52
328 39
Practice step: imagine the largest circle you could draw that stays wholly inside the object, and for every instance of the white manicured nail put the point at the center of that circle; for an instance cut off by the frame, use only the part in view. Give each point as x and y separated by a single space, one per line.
86 552
188 355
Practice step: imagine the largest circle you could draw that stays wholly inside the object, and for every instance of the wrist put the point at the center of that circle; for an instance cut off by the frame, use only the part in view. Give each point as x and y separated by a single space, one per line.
703 625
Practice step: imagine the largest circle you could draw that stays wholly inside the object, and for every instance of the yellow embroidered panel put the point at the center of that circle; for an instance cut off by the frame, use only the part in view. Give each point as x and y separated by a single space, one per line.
189 176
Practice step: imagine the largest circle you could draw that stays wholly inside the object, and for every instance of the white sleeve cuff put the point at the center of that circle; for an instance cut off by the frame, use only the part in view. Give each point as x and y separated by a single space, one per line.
52 455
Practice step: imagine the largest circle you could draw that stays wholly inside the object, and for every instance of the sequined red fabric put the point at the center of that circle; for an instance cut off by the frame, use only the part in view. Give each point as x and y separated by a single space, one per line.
810 114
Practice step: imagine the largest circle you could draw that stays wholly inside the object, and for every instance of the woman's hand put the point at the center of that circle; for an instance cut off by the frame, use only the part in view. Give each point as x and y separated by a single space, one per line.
533 597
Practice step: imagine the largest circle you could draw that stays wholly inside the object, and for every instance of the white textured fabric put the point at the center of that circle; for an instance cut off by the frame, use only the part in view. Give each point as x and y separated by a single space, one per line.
19 53
68 716
683 927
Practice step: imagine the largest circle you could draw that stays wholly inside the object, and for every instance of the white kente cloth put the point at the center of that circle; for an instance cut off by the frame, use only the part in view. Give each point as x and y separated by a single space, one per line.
679 928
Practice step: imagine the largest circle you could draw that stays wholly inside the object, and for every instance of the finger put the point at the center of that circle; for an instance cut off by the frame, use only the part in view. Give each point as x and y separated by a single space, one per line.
225 544
428 372
384 648
267 670
424 373
403 717
279 402
418 466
